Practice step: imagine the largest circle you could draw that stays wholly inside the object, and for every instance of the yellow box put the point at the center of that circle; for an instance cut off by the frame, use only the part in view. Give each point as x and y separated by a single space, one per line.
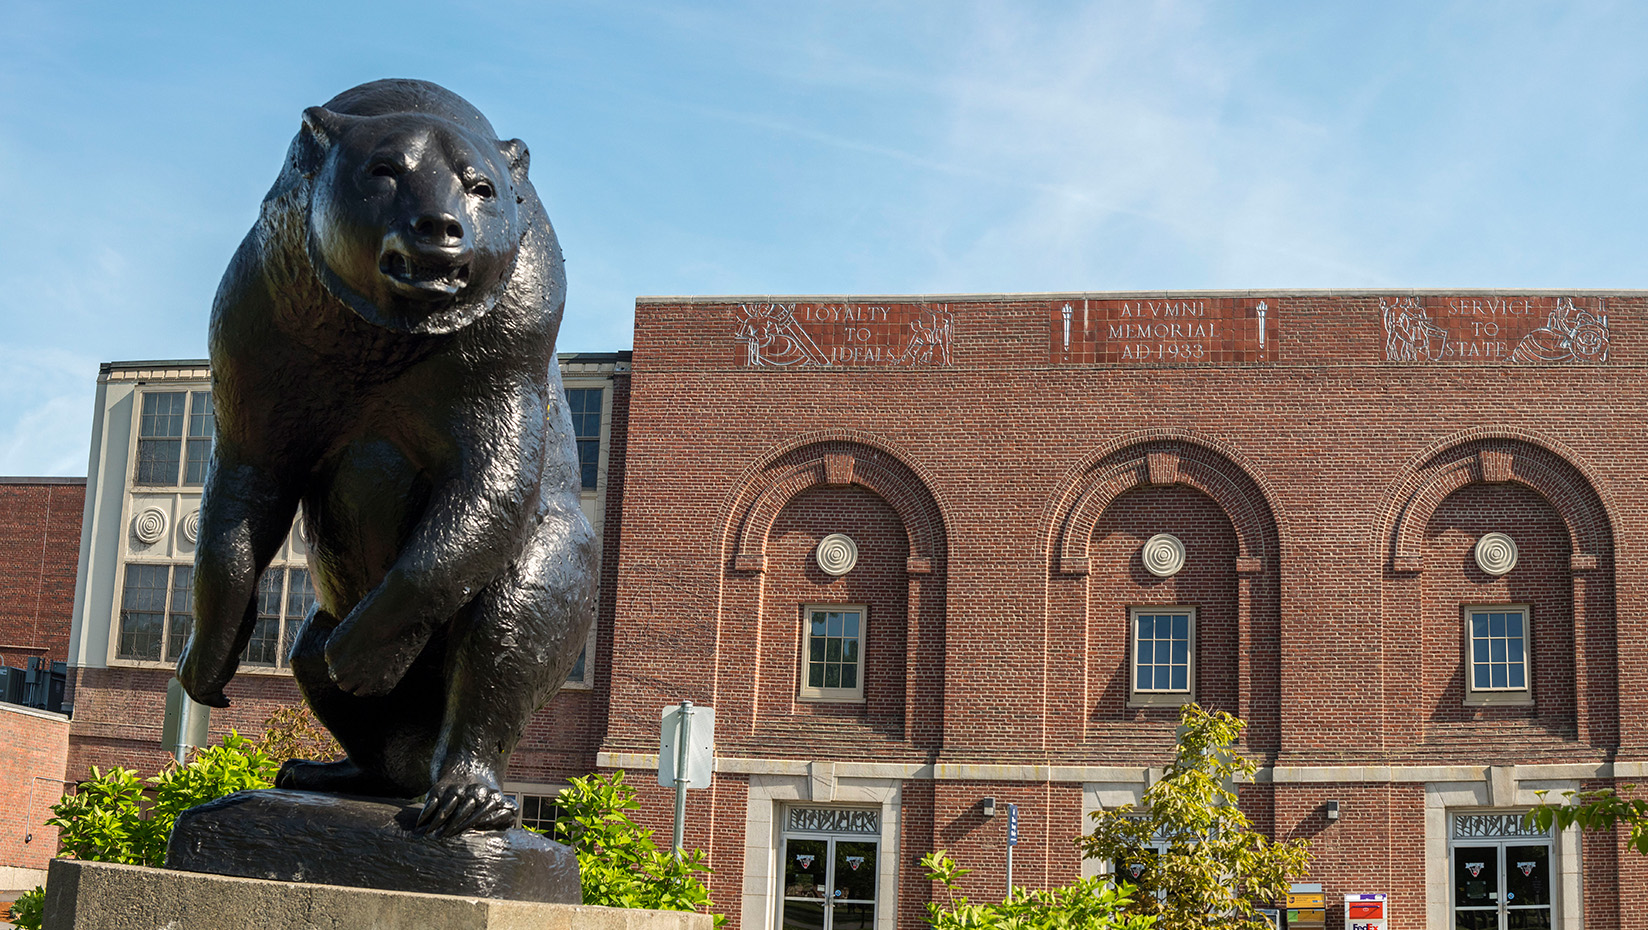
1307 917
1307 900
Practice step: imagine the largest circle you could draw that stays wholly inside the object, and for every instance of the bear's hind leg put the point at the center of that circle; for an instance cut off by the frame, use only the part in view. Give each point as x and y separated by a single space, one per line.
509 653
389 740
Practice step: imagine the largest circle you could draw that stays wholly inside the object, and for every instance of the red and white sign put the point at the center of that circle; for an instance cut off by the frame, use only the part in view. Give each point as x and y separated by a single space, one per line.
1365 911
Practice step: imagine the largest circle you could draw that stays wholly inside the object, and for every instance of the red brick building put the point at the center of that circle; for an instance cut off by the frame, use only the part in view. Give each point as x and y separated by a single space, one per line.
39 542
1394 531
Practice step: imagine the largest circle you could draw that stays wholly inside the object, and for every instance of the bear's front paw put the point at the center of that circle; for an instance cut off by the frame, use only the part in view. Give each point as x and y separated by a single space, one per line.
364 665
454 806
202 684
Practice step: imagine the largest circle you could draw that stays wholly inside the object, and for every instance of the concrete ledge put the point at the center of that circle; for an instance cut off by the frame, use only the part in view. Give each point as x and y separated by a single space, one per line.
14 878
103 896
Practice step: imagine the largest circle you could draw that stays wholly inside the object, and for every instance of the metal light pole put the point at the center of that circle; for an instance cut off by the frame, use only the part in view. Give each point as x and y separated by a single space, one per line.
683 729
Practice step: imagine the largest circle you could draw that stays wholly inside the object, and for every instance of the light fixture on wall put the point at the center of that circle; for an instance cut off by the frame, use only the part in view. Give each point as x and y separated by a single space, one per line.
988 805
1333 811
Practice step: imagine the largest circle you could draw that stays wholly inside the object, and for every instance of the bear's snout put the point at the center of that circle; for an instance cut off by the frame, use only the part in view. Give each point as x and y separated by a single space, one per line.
442 229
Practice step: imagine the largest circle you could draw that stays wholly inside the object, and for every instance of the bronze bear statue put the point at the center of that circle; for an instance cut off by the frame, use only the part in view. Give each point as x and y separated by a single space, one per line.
383 354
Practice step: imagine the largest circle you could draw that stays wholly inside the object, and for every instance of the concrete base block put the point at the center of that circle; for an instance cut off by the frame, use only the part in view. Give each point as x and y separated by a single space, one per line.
103 896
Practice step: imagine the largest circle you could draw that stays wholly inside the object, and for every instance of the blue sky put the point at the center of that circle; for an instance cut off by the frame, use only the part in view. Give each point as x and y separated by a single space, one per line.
829 147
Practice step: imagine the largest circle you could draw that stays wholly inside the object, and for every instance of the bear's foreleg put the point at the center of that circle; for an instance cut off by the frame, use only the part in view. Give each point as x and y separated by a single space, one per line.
509 655
476 521
245 514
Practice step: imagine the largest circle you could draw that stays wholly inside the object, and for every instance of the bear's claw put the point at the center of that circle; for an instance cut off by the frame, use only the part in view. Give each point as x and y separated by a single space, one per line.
453 808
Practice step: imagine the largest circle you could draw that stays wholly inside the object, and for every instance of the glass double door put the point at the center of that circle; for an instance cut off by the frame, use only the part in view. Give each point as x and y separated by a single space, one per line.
829 883
1502 886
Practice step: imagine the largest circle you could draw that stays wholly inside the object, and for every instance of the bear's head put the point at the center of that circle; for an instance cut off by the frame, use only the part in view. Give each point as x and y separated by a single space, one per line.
414 220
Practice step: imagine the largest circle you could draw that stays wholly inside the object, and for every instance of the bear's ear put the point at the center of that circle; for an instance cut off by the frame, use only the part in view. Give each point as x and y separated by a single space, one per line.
321 128
326 126
519 157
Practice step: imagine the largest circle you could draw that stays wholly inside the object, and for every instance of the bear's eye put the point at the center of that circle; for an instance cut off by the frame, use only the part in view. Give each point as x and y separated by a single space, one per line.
382 169
483 190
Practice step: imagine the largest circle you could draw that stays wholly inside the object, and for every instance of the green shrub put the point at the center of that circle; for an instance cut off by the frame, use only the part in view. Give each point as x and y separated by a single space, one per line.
1089 904
118 817
618 862
28 911
110 818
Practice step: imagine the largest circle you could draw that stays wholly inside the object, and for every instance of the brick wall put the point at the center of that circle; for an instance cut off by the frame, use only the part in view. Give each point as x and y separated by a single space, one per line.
1329 480
36 752
39 553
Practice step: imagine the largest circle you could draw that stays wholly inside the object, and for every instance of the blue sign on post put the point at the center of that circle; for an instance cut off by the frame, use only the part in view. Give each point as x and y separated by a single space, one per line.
1012 824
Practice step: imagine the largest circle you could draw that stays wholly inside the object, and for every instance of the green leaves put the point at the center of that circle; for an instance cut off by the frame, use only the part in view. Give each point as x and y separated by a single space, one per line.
618 861
28 911
118 817
1089 904
1215 869
1598 810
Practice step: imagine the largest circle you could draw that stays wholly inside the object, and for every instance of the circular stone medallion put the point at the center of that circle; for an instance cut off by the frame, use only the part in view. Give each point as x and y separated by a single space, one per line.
1496 553
191 526
1163 555
149 525
836 554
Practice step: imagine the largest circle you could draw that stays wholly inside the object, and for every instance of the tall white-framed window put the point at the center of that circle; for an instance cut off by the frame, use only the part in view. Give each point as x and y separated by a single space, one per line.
174 438
1497 651
832 652
1163 655
1503 873
284 596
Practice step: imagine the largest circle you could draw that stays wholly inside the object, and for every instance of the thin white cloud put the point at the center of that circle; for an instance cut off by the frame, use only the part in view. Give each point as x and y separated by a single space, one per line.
45 426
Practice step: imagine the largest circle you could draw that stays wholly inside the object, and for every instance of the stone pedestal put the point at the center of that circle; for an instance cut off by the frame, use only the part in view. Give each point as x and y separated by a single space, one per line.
103 896
301 836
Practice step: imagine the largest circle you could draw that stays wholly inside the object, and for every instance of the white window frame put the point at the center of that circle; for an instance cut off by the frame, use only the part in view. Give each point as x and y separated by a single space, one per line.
1151 697
593 500
1491 695
520 791
179 480
1550 839
826 694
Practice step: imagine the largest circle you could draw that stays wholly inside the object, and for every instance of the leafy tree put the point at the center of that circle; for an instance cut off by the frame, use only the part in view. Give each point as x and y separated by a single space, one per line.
292 732
1215 870
1597 811
618 862
1089 904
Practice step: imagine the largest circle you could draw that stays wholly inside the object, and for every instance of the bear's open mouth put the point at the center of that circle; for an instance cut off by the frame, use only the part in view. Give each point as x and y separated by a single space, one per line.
439 276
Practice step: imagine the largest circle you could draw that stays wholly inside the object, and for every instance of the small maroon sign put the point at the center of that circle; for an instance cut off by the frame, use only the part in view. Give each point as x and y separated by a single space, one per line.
1169 330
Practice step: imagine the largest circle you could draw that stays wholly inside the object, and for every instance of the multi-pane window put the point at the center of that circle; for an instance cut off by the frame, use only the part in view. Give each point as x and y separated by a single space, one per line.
284 597
156 610
181 616
1498 648
832 660
174 438
1164 649
143 611
585 404
538 812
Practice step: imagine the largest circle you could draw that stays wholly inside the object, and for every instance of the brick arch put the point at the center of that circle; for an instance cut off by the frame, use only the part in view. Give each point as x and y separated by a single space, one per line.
1481 456
835 459
1161 459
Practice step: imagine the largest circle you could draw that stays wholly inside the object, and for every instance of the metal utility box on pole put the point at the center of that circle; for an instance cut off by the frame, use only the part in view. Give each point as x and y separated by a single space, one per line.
185 723
686 756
